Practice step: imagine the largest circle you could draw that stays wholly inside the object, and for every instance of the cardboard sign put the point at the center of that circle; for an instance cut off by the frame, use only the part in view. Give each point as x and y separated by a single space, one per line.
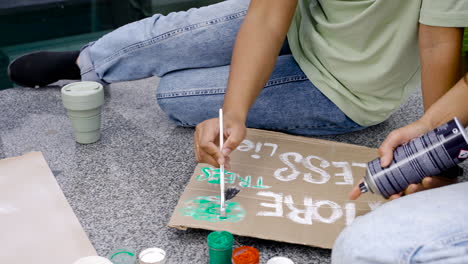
37 225
293 189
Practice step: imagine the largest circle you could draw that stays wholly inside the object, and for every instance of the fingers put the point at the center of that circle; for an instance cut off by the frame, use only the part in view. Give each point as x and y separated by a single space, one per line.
207 151
435 182
196 146
395 196
354 193
206 140
399 137
393 140
227 163
428 183
235 134
412 188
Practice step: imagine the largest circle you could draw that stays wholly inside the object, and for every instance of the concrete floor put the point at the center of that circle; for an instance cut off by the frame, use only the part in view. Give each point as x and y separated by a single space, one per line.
124 188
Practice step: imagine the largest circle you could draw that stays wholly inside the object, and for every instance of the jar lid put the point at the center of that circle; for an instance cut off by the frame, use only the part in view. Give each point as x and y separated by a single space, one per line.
220 240
92 260
123 256
152 256
245 255
82 95
280 260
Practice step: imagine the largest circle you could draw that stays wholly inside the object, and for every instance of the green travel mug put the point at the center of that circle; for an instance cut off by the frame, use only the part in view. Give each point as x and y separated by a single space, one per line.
220 247
83 101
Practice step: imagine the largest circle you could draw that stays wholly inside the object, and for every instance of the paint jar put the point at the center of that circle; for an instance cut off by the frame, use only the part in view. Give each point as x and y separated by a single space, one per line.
152 256
279 260
428 155
92 260
123 256
83 101
245 255
220 247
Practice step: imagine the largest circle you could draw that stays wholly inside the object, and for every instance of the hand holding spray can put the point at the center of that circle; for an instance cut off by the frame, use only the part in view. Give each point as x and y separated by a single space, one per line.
428 155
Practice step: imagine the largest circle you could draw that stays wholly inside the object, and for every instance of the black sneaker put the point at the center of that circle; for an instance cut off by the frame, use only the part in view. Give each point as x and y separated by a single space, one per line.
42 68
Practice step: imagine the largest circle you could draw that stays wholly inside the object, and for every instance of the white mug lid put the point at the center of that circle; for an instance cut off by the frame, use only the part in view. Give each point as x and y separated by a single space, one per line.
82 95
81 88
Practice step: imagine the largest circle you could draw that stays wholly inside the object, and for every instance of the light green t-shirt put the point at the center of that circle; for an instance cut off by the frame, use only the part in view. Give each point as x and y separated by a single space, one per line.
363 54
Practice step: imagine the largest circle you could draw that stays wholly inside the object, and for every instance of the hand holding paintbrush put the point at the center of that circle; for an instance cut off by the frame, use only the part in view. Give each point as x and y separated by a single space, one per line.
210 147
229 193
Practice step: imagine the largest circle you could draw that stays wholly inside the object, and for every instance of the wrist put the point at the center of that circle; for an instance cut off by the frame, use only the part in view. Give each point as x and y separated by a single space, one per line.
420 127
432 120
235 110
426 123
236 114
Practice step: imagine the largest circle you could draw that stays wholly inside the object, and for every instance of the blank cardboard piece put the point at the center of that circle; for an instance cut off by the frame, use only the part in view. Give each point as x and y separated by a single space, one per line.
293 189
37 225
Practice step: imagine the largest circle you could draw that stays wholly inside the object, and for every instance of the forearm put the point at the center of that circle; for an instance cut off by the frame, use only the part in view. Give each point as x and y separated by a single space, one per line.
452 104
255 52
440 52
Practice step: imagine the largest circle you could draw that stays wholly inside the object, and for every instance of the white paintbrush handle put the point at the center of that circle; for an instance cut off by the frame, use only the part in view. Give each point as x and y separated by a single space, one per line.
221 142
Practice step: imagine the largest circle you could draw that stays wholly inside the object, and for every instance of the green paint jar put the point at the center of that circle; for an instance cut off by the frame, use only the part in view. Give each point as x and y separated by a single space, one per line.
123 256
220 247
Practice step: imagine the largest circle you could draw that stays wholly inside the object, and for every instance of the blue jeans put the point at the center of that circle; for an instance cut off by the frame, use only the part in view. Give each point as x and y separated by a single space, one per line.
191 52
427 227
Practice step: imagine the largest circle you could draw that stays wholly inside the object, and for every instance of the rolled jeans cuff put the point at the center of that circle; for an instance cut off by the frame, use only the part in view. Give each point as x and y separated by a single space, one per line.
86 66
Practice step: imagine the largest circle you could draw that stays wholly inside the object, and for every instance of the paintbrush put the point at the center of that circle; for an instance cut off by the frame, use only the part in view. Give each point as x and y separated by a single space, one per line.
231 192
222 209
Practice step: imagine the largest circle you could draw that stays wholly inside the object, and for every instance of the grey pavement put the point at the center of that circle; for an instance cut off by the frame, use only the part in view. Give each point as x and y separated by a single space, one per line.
124 188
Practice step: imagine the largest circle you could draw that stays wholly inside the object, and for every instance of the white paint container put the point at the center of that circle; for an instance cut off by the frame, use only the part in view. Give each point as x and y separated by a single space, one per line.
280 260
152 256
92 260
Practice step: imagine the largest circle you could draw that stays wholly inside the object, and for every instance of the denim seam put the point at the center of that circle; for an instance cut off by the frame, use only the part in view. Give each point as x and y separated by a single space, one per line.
190 93
310 127
411 252
87 71
284 128
222 90
290 128
286 80
169 34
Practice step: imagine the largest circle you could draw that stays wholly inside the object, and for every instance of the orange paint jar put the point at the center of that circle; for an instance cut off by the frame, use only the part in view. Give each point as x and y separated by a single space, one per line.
245 255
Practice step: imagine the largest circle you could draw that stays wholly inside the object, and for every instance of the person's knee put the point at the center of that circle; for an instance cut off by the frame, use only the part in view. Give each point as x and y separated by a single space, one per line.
187 107
169 107
348 245
391 232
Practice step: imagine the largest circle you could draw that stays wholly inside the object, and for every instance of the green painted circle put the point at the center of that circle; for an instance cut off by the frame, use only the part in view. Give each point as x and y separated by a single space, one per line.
206 208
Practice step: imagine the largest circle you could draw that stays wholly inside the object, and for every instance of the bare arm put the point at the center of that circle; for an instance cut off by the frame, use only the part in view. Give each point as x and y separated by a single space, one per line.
453 103
445 96
257 46
450 105
440 52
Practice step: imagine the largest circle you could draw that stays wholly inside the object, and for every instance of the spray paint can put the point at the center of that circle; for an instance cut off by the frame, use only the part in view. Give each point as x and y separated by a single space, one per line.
428 155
